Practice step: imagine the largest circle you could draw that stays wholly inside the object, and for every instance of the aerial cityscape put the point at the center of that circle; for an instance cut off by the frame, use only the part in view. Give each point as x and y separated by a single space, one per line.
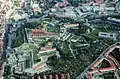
59 39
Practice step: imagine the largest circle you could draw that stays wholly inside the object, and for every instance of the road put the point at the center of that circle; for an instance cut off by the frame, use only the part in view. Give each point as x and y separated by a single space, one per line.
101 55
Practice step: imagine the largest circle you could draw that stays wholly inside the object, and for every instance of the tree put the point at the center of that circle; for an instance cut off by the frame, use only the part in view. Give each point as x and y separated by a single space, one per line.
7 71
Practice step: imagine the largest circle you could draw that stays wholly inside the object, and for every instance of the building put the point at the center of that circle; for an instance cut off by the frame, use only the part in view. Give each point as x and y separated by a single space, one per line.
36 7
62 4
107 35
43 55
26 55
71 25
37 33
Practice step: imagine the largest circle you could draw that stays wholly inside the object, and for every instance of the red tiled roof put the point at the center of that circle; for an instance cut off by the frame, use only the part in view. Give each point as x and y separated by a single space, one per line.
38 31
39 66
47 50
